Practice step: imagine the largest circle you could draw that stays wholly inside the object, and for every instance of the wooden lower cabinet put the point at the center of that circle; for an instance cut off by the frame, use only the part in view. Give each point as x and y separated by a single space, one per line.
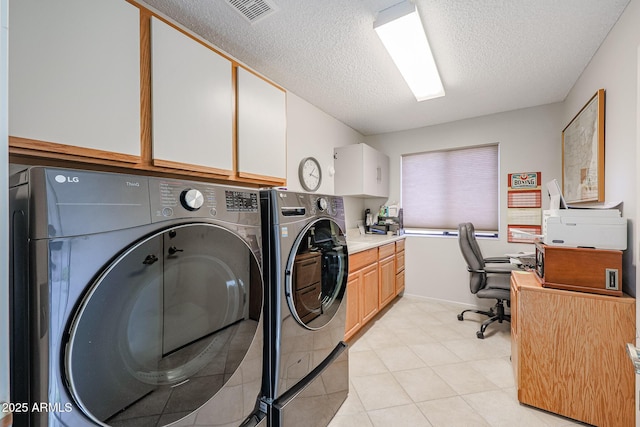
399 266
399 282
568 352
362 290
369 292
354 315
387 274
373 282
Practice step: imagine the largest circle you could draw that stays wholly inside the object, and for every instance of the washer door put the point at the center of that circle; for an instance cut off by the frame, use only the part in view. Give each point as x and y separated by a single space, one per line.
317 273
165 326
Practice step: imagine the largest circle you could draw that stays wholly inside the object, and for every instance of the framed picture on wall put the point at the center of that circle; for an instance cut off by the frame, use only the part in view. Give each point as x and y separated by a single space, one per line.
583 153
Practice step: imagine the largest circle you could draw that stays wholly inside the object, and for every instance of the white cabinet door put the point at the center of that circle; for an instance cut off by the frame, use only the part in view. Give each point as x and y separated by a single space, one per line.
348 164
191 92
74 73
361 171
382 175
262 147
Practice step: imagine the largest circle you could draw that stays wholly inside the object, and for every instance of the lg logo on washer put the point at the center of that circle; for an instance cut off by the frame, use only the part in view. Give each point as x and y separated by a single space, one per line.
62 179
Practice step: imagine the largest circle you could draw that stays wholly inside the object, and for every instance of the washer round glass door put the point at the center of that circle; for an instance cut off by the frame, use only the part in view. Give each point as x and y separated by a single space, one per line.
165 326
317 271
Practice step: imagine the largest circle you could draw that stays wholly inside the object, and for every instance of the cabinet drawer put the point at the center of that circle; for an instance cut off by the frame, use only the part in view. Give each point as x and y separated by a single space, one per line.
386 250
399 282
362 259
400 246
399 261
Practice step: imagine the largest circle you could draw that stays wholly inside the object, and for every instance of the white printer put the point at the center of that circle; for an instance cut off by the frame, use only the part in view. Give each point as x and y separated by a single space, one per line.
590 228
587 228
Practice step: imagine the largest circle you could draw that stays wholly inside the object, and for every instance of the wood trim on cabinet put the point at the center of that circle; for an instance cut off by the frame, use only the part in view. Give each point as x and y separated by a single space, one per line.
266 179
178 165
28 158
234 117
35 152
146 142
178 27
36 148
260 77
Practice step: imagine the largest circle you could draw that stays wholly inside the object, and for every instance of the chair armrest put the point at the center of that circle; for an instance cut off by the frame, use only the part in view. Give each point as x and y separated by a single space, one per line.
471 270
503 269
497 259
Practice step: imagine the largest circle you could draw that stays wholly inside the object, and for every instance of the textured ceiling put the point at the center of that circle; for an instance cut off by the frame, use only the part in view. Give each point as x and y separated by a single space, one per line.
493 55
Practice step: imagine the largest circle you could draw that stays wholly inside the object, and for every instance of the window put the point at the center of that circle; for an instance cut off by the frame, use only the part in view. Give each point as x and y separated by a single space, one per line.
441 189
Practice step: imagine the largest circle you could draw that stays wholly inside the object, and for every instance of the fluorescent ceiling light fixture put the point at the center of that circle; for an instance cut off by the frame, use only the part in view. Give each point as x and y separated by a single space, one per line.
400 29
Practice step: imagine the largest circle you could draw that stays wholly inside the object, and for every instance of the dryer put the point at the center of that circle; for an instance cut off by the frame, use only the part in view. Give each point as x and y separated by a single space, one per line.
134 301
306 265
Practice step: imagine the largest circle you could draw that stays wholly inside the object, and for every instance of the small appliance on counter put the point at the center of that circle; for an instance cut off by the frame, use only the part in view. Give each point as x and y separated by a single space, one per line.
393 224
368 218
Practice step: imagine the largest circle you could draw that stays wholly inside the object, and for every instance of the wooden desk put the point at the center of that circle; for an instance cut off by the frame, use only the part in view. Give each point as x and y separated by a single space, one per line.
568 352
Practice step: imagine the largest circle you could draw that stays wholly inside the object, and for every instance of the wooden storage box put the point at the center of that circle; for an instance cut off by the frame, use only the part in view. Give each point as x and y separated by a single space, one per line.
580 269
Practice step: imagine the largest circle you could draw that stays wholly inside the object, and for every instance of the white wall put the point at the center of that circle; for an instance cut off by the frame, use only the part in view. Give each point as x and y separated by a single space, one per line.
614 68
4 221
312 132
530 141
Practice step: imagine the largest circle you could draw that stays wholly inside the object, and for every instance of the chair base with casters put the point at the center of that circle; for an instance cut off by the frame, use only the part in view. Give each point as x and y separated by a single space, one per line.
488 277
495 314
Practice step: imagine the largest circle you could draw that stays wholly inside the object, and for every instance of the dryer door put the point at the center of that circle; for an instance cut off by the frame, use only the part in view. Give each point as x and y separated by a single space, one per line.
165 326
317 273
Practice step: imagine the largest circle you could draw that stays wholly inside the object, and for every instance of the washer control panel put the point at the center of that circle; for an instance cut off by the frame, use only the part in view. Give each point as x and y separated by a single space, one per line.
241 201
293 205
322 204
173 199
191 199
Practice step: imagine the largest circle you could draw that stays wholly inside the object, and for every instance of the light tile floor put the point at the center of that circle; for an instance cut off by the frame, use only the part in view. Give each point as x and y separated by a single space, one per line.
417 365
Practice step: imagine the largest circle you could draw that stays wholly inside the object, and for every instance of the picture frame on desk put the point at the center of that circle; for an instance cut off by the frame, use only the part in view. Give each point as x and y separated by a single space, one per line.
583 153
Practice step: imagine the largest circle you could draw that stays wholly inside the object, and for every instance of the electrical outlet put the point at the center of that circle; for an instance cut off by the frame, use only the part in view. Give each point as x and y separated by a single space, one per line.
611 278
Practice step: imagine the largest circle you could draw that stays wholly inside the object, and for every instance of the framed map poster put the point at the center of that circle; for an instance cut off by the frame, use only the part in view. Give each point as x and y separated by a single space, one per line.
583 153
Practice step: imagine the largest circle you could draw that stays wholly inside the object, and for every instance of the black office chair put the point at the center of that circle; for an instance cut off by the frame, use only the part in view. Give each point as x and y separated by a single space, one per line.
488 277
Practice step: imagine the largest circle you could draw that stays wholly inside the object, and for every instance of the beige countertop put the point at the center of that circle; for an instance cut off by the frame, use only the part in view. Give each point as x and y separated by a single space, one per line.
357 242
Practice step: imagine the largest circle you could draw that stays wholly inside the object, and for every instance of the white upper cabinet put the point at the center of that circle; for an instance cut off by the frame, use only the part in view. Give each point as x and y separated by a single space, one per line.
74 73
361 171
262 126
192 104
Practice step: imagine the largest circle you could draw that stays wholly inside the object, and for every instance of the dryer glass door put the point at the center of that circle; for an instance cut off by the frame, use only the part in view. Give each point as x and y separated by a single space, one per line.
165 326
317 273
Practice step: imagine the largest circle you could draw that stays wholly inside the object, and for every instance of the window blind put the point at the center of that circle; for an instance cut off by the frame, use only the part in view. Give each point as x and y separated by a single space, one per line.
441 189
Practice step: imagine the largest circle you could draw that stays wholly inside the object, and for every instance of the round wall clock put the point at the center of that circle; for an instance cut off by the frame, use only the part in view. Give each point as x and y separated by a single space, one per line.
310 174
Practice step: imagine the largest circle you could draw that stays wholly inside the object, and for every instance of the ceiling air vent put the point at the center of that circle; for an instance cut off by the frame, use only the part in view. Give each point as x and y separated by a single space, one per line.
253 10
